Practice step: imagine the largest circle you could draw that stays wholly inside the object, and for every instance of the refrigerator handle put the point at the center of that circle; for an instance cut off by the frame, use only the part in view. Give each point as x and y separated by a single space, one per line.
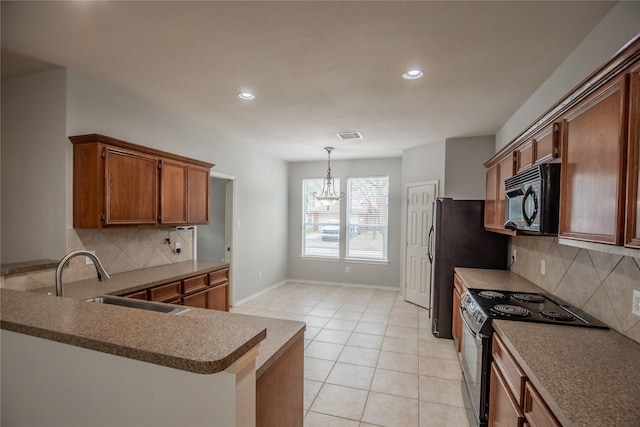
430 244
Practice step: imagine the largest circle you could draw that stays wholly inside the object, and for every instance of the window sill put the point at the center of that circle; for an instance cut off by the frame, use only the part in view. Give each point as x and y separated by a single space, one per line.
367 261
318 258
348 260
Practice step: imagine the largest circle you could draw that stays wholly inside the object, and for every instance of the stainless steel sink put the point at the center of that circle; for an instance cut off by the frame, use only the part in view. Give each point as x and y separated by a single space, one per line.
137 303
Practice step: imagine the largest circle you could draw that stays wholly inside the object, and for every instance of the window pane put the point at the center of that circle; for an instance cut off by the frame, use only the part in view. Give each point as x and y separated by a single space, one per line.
367 217
320 226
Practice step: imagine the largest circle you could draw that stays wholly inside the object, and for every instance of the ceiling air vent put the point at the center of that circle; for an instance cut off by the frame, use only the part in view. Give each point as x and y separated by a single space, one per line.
348 136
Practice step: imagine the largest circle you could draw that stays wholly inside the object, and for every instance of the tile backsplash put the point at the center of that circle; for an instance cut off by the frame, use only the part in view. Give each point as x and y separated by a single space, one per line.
119 250
599 283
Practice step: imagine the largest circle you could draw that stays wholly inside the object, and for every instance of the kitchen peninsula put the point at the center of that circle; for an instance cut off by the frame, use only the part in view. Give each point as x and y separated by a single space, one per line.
67 361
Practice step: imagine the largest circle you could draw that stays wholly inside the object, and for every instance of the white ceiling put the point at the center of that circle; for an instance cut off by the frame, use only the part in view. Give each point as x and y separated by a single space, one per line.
316 67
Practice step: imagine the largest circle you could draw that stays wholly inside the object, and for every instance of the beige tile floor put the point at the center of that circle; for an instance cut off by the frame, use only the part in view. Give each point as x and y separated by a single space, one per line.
370 357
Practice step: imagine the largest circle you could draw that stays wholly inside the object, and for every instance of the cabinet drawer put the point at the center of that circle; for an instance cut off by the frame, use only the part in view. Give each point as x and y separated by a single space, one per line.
536 411
194 284
514 377
165 293
218 277
137 294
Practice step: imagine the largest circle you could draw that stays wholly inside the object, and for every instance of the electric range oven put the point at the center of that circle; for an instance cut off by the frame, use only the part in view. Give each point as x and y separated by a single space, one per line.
477 308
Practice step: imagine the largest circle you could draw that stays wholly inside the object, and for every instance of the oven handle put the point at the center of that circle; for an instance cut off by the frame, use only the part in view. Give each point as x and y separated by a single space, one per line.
478 336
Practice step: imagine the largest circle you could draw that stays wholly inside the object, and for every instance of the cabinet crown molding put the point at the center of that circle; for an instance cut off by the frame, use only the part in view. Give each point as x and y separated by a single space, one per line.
96 137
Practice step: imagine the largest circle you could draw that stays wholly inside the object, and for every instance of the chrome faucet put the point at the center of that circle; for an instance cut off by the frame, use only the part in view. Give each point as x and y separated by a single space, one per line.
100 271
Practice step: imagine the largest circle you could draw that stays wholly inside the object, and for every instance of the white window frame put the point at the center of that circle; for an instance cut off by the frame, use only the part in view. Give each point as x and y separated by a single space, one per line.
383 228
319 208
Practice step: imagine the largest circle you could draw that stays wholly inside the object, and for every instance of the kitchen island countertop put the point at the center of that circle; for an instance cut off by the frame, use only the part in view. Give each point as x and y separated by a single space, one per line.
199 340
587 376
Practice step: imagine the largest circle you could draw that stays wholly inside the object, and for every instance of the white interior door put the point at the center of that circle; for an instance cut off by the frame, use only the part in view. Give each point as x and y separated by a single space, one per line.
417 275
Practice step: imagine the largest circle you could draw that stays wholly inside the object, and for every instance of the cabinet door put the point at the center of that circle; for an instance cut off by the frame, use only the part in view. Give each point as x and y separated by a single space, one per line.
173 192
546 144
524 156
212 298
632 238
131 188
456 322
198 300
217 298
536 410
505 171
593 169
504 411
491 197
198 195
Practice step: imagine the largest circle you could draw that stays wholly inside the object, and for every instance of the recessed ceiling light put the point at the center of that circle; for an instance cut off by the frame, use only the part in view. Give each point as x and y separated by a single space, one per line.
412 74
246 95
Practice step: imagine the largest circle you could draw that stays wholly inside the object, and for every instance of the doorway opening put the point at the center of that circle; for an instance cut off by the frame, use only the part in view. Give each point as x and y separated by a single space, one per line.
215 240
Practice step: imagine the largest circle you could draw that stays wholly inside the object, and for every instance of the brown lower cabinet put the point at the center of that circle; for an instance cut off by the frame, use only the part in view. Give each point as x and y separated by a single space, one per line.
456 321
209 290
504 410
513 400
213 298
280 389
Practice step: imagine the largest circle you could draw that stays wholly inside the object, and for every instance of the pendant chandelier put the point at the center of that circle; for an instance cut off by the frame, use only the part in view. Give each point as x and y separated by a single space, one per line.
328 197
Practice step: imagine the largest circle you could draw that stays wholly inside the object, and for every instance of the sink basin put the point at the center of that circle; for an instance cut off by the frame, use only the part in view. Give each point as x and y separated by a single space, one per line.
140 304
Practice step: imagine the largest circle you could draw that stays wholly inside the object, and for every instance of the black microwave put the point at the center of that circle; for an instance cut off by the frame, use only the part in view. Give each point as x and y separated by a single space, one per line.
532 199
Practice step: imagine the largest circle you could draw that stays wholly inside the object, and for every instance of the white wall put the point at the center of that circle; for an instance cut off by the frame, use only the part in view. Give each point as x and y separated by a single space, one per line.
424 163
261 203
33 166
332 271
464 170
47 383
36 159
608 37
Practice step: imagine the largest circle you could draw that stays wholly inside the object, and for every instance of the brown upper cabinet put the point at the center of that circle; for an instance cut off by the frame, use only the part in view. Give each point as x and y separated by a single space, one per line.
632 235
495 192
117 183
541 148
595 132
594 144
491 197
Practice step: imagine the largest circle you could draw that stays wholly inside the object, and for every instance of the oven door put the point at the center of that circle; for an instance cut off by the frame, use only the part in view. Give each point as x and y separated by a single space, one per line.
475 360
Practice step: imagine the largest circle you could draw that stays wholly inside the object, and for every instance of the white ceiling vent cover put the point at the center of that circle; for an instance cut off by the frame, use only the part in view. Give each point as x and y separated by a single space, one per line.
348 136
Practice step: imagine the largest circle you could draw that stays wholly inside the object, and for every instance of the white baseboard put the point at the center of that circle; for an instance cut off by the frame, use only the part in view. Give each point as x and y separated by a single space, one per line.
257 294
348 285
315 282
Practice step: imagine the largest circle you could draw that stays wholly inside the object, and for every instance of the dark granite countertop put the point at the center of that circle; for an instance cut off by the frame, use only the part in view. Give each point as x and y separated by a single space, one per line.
587 377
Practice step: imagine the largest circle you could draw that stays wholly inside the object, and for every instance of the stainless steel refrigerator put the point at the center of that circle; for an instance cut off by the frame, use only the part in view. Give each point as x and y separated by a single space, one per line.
458 239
